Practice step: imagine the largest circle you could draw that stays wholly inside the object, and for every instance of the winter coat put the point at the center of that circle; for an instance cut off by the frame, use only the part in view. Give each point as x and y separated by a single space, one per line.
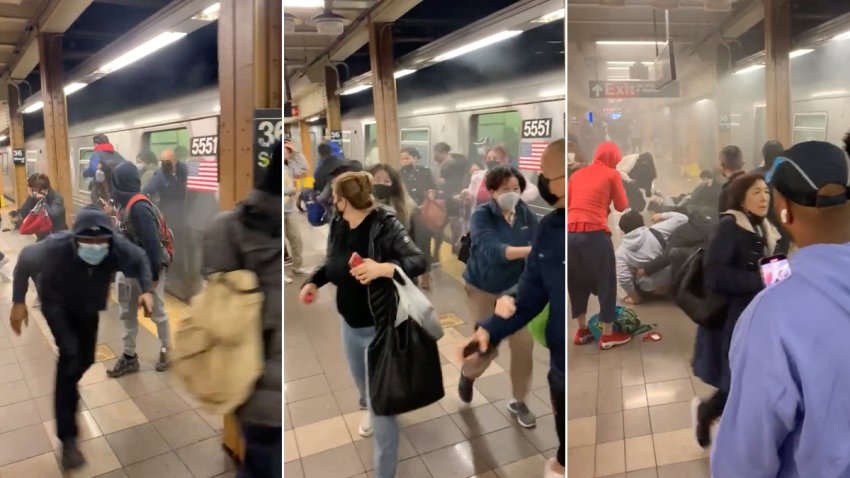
732 270
250 238
641 246
684 240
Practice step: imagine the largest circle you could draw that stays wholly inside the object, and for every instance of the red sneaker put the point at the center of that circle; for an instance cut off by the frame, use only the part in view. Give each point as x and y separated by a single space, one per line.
613 340
583 336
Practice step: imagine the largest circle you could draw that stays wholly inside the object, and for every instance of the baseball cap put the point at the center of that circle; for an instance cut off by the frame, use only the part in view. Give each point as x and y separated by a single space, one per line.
801 171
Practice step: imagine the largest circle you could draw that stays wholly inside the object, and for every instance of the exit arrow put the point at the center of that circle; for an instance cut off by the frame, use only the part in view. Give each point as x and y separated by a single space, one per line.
597 90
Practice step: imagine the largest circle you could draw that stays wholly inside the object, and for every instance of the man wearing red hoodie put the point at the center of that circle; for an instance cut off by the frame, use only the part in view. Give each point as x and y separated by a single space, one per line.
101 163
591 266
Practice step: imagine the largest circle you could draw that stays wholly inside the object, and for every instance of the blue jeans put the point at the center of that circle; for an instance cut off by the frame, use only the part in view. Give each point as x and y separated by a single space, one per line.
263 452
356 343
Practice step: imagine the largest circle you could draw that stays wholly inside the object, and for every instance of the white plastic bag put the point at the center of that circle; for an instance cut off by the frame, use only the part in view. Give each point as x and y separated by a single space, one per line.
414 304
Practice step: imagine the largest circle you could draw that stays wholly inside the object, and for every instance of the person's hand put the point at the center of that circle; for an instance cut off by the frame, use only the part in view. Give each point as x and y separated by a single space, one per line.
370 270
656 218
632 299
18 316
482 337
39 195
146 303
107 208
505 307
640 273
432 194
309 293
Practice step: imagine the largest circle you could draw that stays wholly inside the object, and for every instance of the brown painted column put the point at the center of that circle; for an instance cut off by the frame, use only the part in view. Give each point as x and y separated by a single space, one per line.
333 116
249 53
383 91
55 118
307 151
777 40
16 140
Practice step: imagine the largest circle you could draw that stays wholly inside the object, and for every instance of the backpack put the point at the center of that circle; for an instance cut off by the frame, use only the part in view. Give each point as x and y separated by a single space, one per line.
626 322
166 236
704 307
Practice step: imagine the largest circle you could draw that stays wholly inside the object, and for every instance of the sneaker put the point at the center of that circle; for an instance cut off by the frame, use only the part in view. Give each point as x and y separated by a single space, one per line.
287 280
583 336
613 340
523 415
302 271
124 365
702 425
365 429
464 389
548 472
163 364
362 404
71 456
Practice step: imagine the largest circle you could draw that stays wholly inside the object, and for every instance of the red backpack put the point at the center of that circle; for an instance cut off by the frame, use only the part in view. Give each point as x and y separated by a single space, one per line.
166 237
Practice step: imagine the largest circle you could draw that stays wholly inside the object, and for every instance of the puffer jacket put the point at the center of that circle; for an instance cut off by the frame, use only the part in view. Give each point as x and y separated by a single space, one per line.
250 238
389 241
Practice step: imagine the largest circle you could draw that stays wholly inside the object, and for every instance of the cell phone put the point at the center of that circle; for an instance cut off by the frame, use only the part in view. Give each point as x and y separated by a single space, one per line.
355 260
774 270
309 298
470 348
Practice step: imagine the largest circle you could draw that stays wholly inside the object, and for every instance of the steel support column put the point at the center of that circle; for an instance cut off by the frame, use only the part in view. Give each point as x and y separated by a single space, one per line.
332 113
249 52
55 118
16 140
383 91
777 41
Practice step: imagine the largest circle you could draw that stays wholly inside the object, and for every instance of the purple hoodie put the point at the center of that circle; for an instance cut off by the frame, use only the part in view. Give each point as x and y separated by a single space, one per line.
788 413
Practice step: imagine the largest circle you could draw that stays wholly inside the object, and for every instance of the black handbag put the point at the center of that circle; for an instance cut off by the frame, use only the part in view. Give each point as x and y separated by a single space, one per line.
706 308
465 246
404 369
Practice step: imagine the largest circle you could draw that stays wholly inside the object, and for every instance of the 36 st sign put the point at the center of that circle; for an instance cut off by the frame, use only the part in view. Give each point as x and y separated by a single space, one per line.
632 89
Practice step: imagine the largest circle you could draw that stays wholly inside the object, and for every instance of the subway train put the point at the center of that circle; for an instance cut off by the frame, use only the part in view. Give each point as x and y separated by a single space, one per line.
168 124
464 119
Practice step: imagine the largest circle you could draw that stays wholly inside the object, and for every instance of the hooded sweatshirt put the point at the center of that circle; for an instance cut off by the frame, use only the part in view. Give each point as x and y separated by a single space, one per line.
787 414
143 220
64 280
640 247
591 190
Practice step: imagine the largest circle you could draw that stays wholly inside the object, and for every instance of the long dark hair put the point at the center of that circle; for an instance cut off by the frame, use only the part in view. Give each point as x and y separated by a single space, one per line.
737 192
399 199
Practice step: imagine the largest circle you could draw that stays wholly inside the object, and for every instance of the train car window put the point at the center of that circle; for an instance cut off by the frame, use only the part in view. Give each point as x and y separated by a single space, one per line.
371 134
346 144
810 127
82 165
158 141
420 139
498 129
32 162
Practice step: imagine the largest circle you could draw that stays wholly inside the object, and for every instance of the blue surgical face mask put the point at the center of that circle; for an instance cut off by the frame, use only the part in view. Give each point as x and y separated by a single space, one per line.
92 254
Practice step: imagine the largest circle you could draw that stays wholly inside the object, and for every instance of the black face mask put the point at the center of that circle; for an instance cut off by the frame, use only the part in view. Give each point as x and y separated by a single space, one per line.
545 192
408 167
493 164
168 167
382 191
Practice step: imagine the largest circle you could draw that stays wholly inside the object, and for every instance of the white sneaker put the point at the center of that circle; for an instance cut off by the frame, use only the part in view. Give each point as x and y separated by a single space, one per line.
365 429
302 271
287 280
548 473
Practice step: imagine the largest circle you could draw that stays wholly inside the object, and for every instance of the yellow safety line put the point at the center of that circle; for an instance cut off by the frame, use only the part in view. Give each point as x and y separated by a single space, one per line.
174 308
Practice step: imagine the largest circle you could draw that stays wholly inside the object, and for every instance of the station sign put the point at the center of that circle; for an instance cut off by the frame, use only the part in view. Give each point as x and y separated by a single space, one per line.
537 128
19 156
336 136
268 129
632 89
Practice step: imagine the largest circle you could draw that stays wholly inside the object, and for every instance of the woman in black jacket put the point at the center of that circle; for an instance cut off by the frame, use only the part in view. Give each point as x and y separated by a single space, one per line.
742 239
420 184
365 294
53 202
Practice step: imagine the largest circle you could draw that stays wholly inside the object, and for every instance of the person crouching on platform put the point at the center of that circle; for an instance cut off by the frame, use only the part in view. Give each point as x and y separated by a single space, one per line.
72 272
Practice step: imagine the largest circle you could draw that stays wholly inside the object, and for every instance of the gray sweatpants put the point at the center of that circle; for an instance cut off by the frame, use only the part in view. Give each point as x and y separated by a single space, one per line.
129 291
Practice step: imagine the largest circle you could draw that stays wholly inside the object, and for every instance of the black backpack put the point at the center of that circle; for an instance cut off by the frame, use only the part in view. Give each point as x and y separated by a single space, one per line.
706 308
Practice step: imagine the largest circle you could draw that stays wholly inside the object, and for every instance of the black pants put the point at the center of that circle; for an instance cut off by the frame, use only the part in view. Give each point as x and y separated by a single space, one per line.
592 270
712 408
422 238
557 390
263 452
75 334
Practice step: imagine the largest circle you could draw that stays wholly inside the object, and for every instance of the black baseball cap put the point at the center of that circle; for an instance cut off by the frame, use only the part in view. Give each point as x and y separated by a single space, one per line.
801 171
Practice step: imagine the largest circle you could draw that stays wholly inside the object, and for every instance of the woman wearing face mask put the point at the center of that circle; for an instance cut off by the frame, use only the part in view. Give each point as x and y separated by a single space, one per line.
732 258
477 191
420 184
53 202
390 191
501 235
365 294
147 163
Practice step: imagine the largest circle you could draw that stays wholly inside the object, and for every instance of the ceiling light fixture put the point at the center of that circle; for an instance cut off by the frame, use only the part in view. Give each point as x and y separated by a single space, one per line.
74 87
800 52
630 63
209 14
478 44
823 94
315 118
288 23
329 23
551 17
630 42
480 103
304 3
355 89
34 107
842 36
3 137
402 73
748 69
160 41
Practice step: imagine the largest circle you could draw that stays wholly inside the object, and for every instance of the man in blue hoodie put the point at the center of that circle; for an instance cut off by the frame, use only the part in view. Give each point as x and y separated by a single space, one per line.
72 272
140 223
787 414
543 282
